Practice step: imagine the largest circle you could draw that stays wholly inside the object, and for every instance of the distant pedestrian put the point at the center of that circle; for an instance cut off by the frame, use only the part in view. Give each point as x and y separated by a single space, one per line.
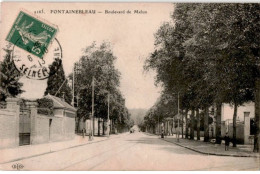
227 140
162 135
83 132
90 138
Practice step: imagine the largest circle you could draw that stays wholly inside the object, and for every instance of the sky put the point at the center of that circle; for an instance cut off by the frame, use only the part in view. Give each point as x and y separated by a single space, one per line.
131 36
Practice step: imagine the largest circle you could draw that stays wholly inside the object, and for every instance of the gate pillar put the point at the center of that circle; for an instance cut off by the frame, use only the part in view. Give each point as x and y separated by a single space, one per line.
33 113
14 104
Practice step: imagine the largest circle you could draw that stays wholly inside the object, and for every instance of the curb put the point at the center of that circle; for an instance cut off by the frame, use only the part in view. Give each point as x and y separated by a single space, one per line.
209 153
49 152
205 153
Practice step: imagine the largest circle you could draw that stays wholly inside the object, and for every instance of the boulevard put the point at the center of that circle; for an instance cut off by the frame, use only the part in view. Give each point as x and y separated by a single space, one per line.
136 151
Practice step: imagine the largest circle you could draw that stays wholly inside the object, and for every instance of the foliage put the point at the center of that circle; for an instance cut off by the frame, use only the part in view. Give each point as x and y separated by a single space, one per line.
45 106
9 77
56 80
165 107
97 64
208 54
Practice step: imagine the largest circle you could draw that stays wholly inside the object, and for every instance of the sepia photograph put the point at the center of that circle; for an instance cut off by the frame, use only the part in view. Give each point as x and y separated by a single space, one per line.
129 86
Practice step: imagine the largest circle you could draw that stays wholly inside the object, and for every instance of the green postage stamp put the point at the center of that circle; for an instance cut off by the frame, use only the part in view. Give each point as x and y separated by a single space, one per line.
31 34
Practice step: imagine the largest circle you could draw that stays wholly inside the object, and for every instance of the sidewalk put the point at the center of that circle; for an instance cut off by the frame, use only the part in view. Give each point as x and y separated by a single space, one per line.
213 149
28 151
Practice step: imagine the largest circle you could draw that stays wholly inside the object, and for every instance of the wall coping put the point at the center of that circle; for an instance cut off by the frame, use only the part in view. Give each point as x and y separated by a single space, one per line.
11 99
31 103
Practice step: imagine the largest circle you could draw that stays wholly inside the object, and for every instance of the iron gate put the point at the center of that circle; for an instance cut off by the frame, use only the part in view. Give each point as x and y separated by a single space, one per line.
24 125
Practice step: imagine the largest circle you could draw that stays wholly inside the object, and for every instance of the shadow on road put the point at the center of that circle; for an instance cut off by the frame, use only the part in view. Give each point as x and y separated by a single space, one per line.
146 141
164 145
179 150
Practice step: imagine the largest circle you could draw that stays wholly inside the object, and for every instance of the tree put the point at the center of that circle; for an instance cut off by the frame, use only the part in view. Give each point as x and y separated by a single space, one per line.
178 71
57 83
97 62
237 52
9 77
210 55
225 41
165 107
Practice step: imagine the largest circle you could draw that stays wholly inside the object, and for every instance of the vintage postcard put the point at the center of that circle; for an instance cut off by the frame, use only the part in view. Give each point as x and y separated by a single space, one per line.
129 86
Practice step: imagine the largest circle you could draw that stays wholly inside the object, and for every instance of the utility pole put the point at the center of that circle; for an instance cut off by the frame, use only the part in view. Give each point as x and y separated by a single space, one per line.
93 119
178 132
73 80
108 119
158 126
91 134
90 128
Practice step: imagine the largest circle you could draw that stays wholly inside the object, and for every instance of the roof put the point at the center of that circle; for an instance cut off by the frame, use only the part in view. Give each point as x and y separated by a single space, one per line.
59 103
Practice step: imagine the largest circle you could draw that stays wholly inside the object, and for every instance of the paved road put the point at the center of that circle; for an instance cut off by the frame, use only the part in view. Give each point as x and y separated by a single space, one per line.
136 151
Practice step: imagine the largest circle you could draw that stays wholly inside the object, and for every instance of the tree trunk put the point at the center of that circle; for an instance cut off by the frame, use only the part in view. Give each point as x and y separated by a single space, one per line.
103 127
98 126
111 126
173 127
192 124
235 126
206 124
257 117
78 122
186 127
182 124
93 127
198 123
218 123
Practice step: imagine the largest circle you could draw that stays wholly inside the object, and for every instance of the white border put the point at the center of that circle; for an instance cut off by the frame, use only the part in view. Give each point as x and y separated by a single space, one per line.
174 1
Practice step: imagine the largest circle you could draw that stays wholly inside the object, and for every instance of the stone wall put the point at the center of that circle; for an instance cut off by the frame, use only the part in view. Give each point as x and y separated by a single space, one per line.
86 124
53 129
9 124
56 129
69 127
239 132
41 130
